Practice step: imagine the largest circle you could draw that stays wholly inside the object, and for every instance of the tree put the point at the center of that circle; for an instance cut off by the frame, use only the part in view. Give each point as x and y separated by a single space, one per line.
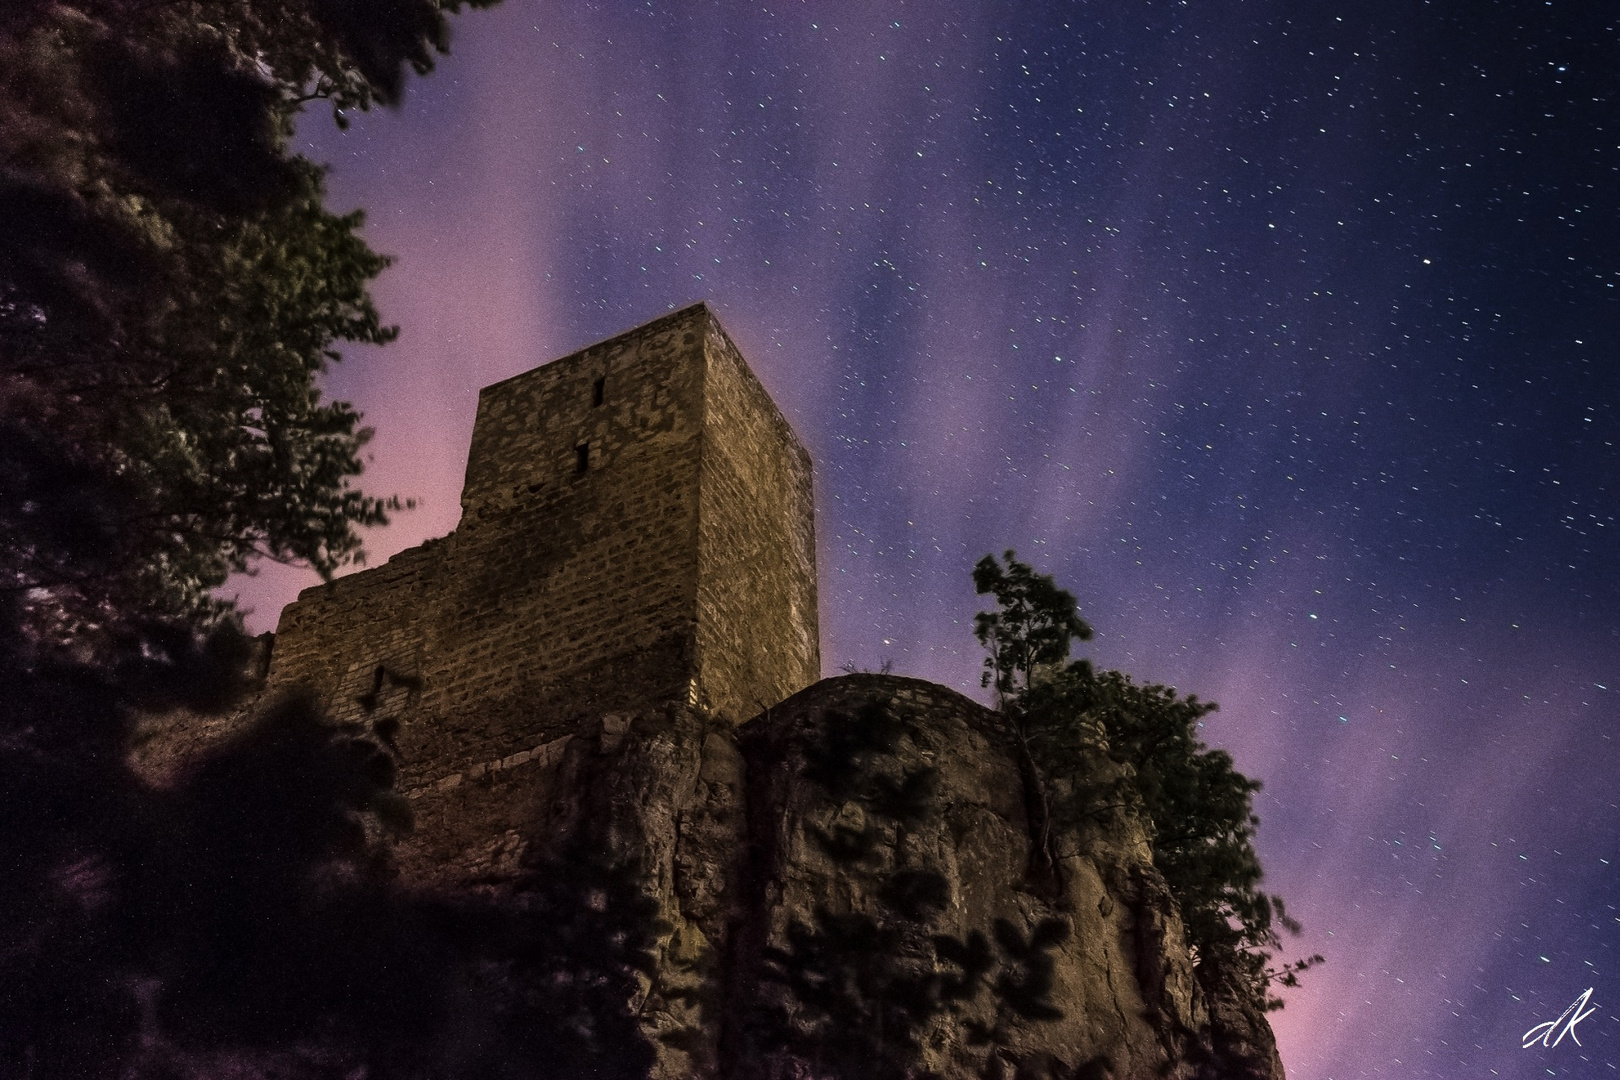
1197 806
243 922
1034 626
171 288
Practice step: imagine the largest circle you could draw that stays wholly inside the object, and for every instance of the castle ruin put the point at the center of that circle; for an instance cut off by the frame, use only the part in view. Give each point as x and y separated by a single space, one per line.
611 668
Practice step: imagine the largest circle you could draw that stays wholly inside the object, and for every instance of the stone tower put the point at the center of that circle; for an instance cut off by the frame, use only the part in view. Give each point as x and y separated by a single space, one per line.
636 535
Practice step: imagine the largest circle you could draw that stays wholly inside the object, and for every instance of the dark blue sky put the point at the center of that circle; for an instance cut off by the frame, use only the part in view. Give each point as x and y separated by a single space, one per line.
1284 335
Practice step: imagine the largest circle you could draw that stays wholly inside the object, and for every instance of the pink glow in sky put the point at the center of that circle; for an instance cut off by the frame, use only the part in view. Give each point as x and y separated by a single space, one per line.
1264 331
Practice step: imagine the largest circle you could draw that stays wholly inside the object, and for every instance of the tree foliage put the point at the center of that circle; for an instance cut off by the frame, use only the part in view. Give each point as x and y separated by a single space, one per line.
242 922
1028 636
1198 807
1035 624
171 288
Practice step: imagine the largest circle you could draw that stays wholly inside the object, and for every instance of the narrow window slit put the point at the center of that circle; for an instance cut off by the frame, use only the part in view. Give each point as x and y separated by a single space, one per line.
598 391
582 457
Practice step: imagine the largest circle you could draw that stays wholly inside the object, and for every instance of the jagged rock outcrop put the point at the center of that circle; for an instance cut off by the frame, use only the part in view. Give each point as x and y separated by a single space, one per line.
838 885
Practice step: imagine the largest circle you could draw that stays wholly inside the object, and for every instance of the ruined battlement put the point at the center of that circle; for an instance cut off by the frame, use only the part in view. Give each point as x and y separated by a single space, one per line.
637 530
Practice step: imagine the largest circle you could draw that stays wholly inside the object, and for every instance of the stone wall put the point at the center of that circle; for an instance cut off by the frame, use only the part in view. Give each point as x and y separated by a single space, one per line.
757 639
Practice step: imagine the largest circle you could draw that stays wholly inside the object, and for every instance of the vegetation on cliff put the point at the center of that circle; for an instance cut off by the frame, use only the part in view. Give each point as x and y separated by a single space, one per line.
1060 714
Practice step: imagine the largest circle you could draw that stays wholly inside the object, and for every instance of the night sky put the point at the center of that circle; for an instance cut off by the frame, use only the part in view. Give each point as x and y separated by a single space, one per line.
1282 334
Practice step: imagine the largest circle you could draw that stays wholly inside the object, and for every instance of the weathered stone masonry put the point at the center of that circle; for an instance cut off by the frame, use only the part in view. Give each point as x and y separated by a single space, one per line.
637 533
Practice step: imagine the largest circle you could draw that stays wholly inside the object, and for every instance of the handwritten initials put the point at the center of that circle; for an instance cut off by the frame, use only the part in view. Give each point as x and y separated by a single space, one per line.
1564 1025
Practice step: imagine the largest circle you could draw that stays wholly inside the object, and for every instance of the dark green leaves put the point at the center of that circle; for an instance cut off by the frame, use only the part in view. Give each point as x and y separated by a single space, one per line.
171 289
1034 623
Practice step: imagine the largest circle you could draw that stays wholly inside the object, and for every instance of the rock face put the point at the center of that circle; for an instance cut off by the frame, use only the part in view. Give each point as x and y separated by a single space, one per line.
841 886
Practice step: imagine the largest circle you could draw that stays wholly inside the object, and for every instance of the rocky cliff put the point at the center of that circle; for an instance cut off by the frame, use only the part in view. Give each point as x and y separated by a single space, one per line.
841 890
839 887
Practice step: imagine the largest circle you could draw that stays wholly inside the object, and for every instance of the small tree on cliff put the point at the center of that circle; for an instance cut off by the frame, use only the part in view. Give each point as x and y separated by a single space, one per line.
1032 630
1033 627
1198 808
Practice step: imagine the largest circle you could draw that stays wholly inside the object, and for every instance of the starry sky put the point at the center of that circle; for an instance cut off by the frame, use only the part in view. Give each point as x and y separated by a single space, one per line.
1282 334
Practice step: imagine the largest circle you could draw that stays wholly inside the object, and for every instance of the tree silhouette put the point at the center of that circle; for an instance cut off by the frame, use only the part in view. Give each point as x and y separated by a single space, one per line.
171 288
1035 624
246 918
1031 631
